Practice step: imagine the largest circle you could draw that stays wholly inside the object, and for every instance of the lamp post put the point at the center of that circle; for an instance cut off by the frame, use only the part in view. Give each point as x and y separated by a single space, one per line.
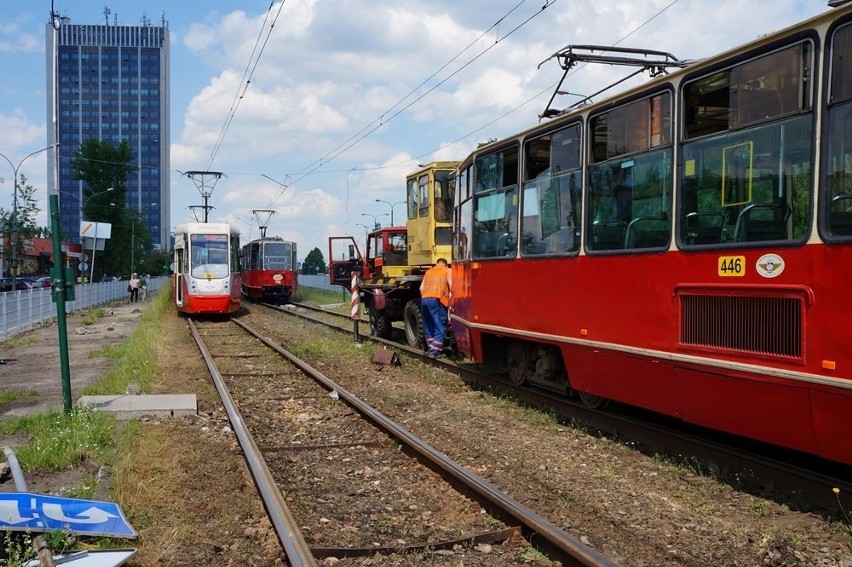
392 205
367 230
15 168
375 219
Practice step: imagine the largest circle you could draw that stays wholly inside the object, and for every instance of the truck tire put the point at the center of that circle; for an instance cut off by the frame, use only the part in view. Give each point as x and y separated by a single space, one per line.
414 324
380 323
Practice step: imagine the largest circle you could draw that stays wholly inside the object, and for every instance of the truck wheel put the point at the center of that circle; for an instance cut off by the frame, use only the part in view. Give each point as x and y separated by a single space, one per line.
380 323
414 324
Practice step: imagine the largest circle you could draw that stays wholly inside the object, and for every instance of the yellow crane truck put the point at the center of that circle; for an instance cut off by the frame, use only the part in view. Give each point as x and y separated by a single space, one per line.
396 257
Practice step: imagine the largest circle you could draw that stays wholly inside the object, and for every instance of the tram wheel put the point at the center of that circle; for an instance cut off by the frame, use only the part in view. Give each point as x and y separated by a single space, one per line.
517 362
413 320
592 401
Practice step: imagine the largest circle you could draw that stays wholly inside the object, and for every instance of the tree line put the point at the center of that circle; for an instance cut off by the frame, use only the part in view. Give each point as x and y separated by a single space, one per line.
103 168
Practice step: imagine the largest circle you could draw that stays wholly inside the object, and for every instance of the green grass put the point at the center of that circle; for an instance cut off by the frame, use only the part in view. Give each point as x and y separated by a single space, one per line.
93 316
20 341
135 359
59 441
321 297
108 351
9 396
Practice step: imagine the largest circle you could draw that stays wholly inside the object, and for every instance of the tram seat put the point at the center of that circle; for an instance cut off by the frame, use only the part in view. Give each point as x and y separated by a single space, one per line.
492 244
762 221
608 235
647 232
705 227
841 223
505 245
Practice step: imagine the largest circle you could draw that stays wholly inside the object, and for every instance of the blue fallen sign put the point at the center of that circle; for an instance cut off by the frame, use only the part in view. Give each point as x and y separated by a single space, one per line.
25 511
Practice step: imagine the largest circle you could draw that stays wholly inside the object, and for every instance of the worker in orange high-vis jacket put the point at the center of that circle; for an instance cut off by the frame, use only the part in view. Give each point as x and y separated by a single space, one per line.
434 302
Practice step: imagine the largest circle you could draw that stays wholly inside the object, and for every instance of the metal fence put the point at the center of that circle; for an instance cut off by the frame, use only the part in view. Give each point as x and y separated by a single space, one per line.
318 281
24 309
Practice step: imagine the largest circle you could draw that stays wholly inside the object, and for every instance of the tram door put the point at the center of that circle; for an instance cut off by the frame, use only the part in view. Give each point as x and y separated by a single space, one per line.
178 275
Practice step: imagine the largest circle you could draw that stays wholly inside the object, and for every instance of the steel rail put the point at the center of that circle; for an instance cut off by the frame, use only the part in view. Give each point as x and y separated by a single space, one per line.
539 531
815 486
298 552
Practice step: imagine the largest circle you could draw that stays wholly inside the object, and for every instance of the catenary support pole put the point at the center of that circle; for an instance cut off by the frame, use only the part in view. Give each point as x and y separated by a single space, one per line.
59 286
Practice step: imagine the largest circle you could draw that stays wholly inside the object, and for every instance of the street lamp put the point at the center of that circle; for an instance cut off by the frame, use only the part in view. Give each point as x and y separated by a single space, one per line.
392 205
375 219
367 230
15 169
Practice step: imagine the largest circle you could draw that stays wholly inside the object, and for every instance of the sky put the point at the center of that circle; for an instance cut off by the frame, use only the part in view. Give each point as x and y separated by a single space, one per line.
316 109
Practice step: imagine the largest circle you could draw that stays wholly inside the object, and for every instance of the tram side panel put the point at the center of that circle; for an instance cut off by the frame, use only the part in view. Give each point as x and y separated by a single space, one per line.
619 324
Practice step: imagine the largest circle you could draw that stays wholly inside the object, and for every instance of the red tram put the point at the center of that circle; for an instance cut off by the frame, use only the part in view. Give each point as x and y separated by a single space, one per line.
206 268
685 246
269 270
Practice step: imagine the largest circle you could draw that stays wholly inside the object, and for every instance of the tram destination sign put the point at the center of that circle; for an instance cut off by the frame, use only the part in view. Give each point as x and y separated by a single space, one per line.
25 511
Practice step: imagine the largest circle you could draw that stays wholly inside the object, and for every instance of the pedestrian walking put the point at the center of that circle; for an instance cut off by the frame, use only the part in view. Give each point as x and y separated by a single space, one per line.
434 301
143 284
133 287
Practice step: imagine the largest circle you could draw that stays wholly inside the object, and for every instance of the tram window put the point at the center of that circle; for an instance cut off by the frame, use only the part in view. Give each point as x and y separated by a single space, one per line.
841 73
462 187
639 126
747 186
630 202
497 170
277 256
761 89
837 207
210 256
496 204
552 193
465 229
254 256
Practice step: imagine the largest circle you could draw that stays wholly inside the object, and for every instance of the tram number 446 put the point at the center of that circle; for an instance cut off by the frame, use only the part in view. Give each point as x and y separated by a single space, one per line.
732 266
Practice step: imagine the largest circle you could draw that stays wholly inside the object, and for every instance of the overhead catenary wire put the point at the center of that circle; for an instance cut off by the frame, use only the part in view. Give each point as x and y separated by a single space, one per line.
468 134
245 81
550 88
422 83
383 119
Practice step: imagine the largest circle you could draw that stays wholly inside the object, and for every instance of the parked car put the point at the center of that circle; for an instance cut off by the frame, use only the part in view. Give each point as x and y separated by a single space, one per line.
20 284
44 281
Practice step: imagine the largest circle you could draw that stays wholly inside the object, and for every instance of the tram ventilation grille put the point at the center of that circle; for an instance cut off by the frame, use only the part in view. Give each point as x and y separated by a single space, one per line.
767 326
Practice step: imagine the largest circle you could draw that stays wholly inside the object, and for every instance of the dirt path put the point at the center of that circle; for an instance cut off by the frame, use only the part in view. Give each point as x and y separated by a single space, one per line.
33 362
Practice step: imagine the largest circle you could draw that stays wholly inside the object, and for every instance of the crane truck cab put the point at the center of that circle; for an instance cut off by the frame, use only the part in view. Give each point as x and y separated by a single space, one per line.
391 270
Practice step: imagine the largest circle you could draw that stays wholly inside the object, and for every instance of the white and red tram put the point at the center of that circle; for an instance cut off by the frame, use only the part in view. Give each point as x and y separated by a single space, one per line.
685 246
206 268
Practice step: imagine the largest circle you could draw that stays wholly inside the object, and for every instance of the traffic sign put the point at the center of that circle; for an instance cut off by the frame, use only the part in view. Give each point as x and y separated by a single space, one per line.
25 511
82 266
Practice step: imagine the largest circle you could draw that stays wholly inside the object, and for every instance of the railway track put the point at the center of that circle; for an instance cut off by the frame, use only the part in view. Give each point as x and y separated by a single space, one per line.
793 476
314 449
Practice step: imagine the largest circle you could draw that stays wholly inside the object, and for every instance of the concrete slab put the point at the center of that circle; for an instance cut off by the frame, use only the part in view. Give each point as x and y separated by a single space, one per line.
134 406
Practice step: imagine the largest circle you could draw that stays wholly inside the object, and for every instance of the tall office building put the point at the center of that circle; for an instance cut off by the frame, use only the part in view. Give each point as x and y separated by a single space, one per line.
111 82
